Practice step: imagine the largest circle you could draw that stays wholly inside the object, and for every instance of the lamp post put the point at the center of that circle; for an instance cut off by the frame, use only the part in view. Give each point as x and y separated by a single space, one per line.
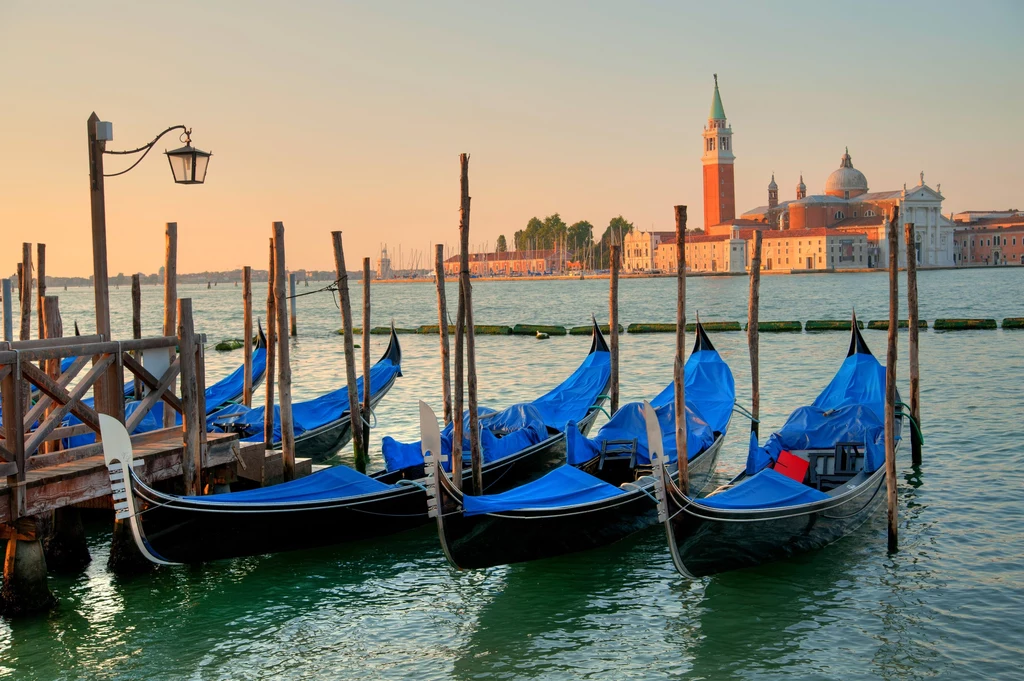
188 165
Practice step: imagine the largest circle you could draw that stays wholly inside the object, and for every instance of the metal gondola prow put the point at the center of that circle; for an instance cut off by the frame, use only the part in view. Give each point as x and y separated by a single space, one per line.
394 350
857 344
117 454
261 338
702 342
599 344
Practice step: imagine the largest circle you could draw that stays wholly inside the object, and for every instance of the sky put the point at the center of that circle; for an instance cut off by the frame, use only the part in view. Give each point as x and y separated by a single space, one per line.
350 116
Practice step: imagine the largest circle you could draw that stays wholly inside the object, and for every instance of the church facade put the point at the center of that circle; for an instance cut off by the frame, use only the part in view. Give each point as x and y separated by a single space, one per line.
845 208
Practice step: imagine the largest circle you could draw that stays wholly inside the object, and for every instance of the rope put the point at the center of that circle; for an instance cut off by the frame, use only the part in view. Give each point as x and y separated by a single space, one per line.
740 409
913 422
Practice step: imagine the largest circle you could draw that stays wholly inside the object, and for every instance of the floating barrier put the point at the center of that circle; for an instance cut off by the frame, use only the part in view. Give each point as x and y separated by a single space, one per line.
589 328
491 330
883 324
434 329
781 327
716 326
229 344
386 330
532 329
830 325
963 324
1013 323
651 328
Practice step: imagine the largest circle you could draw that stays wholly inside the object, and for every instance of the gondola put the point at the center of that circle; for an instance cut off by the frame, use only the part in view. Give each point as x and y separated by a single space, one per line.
525 440
815 480
331 506
322 425
602 494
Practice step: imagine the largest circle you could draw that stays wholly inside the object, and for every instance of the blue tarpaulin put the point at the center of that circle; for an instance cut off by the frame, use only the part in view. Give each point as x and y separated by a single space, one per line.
710 389
307 415
337 482
521 425
564 486
851 408
767 489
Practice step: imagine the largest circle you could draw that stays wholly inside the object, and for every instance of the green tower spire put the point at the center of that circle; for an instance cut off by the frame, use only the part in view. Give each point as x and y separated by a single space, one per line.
717 110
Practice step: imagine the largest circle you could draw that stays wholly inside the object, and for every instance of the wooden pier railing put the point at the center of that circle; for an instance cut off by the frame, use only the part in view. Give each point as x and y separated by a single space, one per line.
27 425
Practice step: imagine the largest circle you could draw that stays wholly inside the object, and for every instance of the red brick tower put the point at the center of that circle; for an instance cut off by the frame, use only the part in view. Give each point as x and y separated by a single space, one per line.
718 160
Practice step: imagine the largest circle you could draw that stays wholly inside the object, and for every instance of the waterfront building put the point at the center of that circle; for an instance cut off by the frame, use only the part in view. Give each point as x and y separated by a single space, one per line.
508 263
810 249
990 240
384 270
845 205
705 253
639 247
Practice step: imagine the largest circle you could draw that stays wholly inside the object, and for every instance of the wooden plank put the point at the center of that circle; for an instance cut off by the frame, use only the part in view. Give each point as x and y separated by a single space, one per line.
51 327
155 394
71 402
13 403
44 401
152 382
39 344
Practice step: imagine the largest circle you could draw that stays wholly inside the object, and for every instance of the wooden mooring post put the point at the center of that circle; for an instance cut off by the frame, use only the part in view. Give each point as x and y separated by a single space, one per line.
458 396
5 290
268 409
613 323
40 286
753 334
292 326
191 417
170 299
913 338
442 327
365 414
358 446
247 335
284 369
26 291
137 327
890 382
475 454
679 378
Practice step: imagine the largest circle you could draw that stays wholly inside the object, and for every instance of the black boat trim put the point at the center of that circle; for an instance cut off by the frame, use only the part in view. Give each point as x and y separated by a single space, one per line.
598 344
857 344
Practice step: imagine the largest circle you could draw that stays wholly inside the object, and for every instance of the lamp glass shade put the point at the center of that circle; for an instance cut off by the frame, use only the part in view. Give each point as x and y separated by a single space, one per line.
188 164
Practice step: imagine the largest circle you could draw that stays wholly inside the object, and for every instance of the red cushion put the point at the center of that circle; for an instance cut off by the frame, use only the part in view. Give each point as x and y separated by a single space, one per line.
792 466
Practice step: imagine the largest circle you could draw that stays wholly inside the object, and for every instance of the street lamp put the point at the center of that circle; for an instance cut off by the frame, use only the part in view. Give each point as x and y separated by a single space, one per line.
188 165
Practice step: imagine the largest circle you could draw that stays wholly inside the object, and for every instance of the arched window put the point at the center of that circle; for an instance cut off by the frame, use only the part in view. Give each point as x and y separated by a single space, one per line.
839 215
869 213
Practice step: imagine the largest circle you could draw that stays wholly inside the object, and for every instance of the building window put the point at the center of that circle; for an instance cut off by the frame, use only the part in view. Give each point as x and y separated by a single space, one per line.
869 213
854 213
711 144
839 214
725 144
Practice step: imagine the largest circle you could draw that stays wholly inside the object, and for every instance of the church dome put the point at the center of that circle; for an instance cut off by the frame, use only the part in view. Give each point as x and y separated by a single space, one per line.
846 181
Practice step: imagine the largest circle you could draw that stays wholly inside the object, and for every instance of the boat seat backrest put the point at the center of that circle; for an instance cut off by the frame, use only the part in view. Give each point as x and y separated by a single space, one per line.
618 450
831 468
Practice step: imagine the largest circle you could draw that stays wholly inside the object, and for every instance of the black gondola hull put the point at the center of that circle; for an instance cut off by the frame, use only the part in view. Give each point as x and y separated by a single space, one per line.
708 541
513 537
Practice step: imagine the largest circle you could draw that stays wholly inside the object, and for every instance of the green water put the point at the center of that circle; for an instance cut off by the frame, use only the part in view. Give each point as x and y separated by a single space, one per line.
948 605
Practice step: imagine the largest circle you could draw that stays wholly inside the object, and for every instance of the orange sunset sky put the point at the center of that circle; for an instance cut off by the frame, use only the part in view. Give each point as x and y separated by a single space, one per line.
335 115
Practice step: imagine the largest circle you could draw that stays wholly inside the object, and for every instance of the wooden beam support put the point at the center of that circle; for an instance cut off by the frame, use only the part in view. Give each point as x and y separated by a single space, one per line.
192 420
247 335
350 352
155 394
268 409
137 325
284 367
890 383
170 299
613 323
70 402
152 382
475 452
44 401
365 412
682 455
914 339
442 326
753 337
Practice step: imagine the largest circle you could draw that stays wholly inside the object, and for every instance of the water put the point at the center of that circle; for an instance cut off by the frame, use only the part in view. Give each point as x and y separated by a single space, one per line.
948 604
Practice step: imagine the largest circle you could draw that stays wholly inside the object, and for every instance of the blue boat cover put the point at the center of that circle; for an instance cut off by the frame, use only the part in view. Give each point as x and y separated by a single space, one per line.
337 482
710 389
521 425
851 408
767 489
231 387
307 415
564 486
501 433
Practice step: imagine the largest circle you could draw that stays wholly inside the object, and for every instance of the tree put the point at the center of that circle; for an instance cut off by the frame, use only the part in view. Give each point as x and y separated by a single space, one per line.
580 234
618 228
501 246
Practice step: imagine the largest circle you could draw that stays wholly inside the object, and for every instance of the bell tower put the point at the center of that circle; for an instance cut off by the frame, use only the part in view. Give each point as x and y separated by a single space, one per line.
718 160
